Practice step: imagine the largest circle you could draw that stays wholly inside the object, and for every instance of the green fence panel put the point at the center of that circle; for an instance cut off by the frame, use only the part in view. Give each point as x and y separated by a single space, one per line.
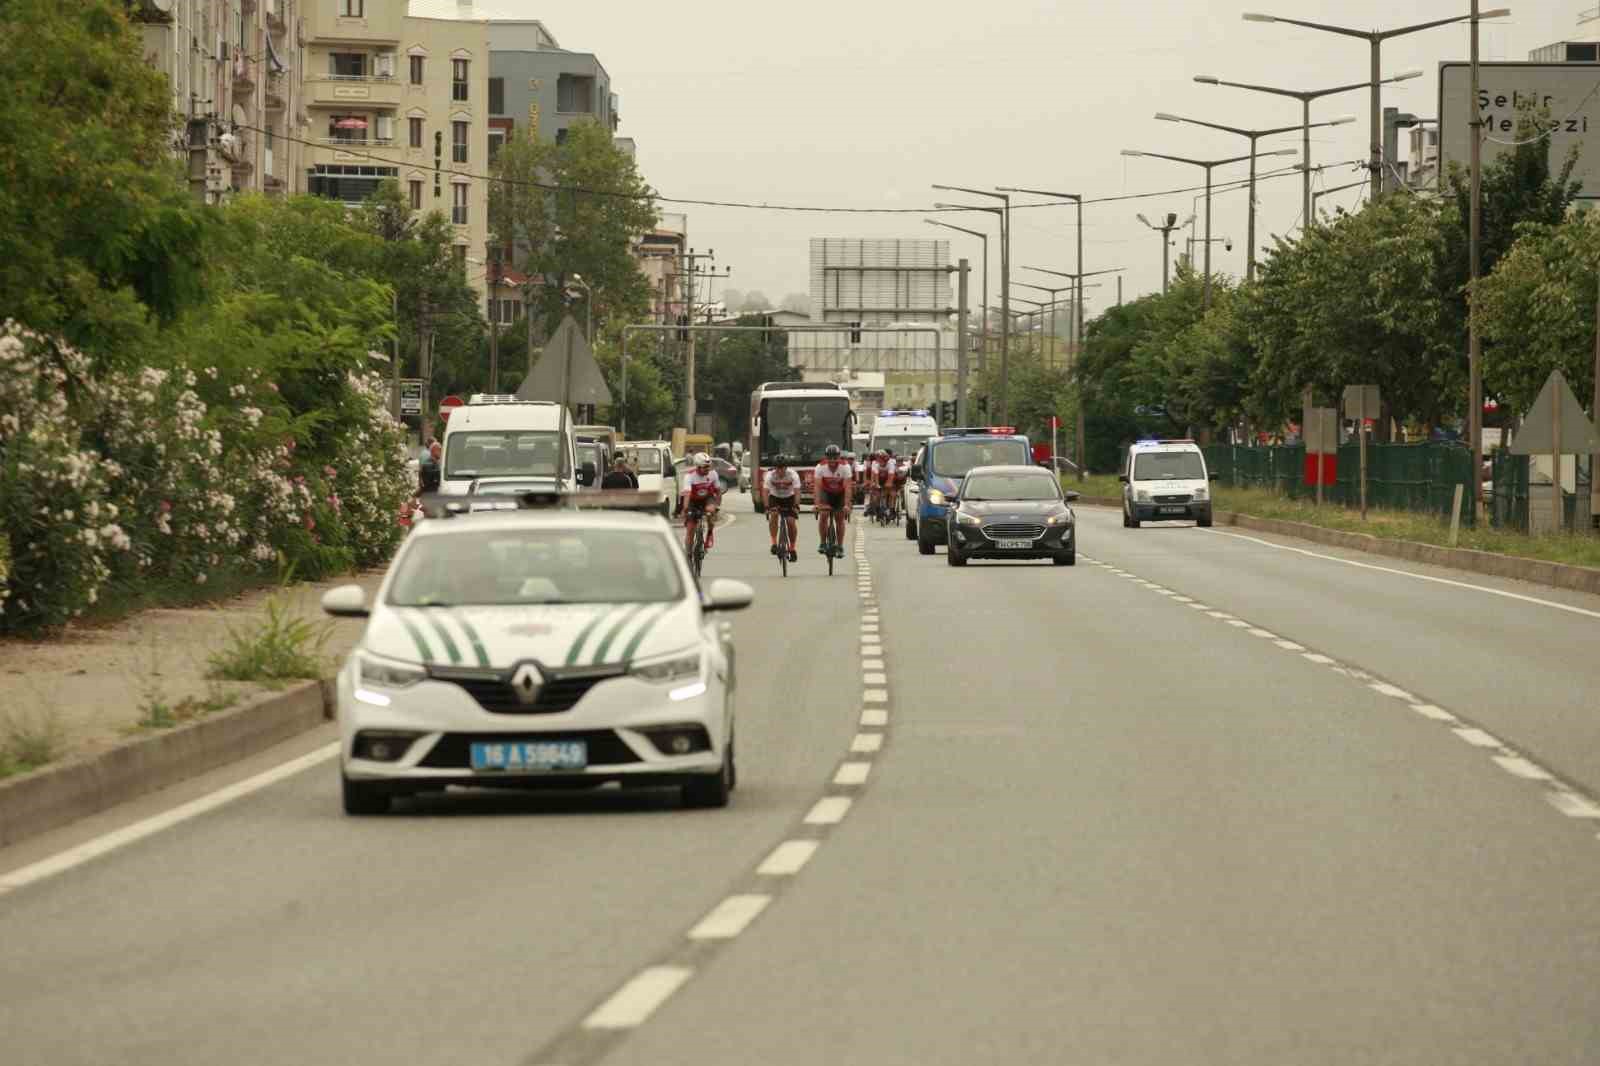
1411 477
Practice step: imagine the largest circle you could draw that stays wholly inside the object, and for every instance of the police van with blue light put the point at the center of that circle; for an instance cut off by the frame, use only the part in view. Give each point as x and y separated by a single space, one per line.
548 640
945 461
1165 480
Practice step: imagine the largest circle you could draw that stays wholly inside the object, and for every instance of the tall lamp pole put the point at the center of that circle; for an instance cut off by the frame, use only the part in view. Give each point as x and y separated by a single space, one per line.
1165 229
1005 281
1254 136
984 342
1054 300
1375 39
588 307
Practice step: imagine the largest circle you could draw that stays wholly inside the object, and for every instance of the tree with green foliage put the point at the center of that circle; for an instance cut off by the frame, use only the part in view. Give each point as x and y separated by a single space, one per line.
733 365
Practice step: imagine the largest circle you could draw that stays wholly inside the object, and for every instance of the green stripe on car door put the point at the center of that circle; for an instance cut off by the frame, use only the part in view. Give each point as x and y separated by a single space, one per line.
644 630
472 635
583 635
416 637
605 645
445 638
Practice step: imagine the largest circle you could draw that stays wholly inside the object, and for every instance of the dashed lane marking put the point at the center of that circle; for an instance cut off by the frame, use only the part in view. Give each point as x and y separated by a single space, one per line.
875 695
1316 657
635 1001
1573 805
875 679
830 810
1517 766
867 743
852 773
1438 714
1386 689
730 917
874 716
1477 738
788 858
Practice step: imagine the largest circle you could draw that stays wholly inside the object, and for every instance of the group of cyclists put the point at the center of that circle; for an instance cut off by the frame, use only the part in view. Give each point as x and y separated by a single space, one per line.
834 480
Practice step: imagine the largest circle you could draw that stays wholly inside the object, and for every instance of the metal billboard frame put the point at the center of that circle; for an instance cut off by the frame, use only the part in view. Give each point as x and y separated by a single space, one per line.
1591 155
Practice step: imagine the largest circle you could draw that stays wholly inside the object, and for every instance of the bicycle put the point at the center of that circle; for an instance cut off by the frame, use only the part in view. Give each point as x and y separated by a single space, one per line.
783 543
697 553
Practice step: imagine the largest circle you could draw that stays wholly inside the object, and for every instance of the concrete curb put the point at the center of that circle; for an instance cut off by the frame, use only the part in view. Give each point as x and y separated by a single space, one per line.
1536 571
52 796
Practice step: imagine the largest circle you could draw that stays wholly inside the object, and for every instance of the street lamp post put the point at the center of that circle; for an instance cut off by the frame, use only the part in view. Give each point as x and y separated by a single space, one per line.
1165 230
1054 298
983 343
1005 281
1254 136
1208 165
1375 39
588 307
1305 97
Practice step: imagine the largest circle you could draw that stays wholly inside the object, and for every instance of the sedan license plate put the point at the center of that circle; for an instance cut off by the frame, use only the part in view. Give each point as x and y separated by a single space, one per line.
1024 544
1173 510
514 756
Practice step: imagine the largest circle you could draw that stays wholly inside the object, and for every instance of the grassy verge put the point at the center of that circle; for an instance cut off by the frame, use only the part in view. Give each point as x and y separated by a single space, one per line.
155 712
279 648
29 740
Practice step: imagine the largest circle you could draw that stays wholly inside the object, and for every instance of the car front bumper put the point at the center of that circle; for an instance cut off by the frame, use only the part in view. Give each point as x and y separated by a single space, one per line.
972 542
1171 512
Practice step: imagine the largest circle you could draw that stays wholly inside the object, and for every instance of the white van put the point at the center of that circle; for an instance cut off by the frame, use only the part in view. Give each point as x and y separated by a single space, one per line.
497 440
1164 480
651 461
901 432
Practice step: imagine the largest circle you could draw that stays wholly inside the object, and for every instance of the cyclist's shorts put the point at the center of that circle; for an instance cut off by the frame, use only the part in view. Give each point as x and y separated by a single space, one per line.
784 504
834 500
695 510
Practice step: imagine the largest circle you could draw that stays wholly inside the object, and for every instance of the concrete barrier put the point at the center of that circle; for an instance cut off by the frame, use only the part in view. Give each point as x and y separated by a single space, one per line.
52 796
1494 564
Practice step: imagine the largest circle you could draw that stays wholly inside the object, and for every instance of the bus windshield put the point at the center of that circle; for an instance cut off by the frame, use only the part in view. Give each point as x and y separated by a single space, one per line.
801 427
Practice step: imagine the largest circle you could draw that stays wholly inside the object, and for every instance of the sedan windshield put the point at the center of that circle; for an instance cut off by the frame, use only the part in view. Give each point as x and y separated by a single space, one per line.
504 567
1011 487
953 458
1167 466
502 453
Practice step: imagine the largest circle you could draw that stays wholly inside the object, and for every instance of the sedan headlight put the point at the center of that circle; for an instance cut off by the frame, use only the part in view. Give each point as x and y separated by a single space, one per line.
1142 495
1201 493
388 673
1062 519
965 519
674 668
936 497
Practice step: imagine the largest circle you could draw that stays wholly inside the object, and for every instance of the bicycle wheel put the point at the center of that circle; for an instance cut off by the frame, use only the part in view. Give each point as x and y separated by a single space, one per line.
697 557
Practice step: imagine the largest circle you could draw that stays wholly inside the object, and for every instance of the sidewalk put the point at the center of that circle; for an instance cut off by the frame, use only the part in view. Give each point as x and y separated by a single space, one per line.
93 685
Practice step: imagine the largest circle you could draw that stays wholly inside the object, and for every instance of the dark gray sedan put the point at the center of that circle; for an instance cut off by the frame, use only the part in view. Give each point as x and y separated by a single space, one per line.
1012 512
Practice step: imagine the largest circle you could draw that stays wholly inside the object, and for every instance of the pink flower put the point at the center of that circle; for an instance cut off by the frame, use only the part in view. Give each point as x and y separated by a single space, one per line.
166 506
330 471
311 523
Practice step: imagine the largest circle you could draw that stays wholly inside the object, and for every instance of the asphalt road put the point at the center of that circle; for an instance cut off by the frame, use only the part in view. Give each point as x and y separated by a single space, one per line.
1200 799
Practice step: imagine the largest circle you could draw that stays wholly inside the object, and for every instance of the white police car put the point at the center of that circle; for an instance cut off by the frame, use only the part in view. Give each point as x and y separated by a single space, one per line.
1164 480
538 646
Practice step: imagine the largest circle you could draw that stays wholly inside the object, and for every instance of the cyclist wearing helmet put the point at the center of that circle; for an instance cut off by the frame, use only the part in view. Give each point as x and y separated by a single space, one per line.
892 478
876 465
835 487
781 487
702 492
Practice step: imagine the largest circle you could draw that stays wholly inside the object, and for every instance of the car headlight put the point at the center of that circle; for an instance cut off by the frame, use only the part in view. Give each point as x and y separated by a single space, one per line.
1062 519
968 519
388 673
1142 495
936 497
1201 493
675 668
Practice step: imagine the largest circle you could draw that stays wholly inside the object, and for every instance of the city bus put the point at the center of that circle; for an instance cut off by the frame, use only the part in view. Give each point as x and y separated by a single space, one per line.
797 419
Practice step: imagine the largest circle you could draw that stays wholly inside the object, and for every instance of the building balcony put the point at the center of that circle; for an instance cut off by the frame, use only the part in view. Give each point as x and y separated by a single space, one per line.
356 143
337 90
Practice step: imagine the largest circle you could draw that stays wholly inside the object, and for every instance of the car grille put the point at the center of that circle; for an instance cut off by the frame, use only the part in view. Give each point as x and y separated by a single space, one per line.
454 750
492 689
1183 498
1013 531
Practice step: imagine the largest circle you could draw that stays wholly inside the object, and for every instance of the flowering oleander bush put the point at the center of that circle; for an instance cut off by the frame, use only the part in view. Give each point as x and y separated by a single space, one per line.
177 475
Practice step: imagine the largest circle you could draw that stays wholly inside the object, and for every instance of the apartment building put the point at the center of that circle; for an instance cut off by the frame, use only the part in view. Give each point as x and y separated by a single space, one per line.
389 95
233 69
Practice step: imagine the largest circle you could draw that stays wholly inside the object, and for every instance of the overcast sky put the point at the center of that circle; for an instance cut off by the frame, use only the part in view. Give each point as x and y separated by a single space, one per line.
866 103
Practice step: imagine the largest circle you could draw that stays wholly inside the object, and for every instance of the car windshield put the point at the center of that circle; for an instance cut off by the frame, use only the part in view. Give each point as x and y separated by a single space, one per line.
1168 466
503 567
899 445
509 488
1011 487
953 458
589 453
503 453
644 460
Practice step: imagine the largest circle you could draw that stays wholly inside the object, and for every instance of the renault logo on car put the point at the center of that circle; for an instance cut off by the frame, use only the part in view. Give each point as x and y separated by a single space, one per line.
527 682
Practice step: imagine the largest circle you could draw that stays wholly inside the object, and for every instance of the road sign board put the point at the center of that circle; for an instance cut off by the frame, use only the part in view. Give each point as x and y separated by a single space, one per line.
1566 90
1353 407
448 404
410 396
1537 437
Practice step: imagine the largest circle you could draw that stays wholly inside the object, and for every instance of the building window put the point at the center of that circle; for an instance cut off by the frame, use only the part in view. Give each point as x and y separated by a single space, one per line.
416 70
561 135
352 9
458 141
348 129
351 184
505 311
458 209
347 64
414 126
496 139
415 188
575 94
458 79
497 96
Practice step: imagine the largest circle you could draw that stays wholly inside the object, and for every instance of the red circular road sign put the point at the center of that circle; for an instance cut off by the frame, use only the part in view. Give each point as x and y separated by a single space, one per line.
448 404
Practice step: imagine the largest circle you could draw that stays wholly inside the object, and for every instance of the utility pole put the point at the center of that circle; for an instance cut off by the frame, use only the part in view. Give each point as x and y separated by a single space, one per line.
690 271
394 351
1165 230
961 344
1474 256
1004 213
494 319
1594 412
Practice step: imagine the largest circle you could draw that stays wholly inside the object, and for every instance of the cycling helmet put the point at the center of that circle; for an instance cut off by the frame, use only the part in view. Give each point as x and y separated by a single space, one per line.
831 452
702 459
780 461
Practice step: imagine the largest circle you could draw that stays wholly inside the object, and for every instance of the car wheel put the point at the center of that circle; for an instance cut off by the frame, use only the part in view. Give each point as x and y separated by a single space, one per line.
1204 521
1130 521
711 790
924 544
911 528
953 556
363 799
1067 558
733 765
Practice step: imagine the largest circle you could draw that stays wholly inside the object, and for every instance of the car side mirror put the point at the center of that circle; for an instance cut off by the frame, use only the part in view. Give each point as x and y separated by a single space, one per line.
586 474
346 601
726 594
916 471
1122 478
1211 475
1071 495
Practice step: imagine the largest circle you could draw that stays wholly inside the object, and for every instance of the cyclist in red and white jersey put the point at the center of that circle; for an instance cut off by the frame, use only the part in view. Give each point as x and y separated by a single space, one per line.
781 488
835 489
702 492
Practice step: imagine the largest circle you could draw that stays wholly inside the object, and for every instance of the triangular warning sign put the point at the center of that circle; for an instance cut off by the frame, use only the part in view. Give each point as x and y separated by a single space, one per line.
547 381
1577 432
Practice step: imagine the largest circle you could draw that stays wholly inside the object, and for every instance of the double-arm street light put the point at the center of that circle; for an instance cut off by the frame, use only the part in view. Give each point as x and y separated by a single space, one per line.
983 344
1054 298
1208 165
1170 222
1005 277
1254 136
1305 96
1375 39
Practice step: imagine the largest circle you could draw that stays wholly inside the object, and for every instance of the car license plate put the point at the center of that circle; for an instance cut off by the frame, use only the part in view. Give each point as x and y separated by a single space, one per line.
1173 510
530 756
1013 543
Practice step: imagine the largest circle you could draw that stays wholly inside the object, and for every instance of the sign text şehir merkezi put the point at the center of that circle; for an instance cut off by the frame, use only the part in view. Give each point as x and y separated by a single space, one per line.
1499 112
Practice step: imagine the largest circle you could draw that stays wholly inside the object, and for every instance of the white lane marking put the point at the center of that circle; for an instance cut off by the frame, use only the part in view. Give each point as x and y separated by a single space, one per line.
1438 714
1477 738
1419 577
1320 660
869 616
634 1002
1289 645
852 773
875 695
1265 634
873 664
869 627
829 810
1181 599
1199 607
730 917
1573 805
1219 614
866 743
91 849
1517 766
787 858
1389 690
874 679
874 716
871 638
1238 623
